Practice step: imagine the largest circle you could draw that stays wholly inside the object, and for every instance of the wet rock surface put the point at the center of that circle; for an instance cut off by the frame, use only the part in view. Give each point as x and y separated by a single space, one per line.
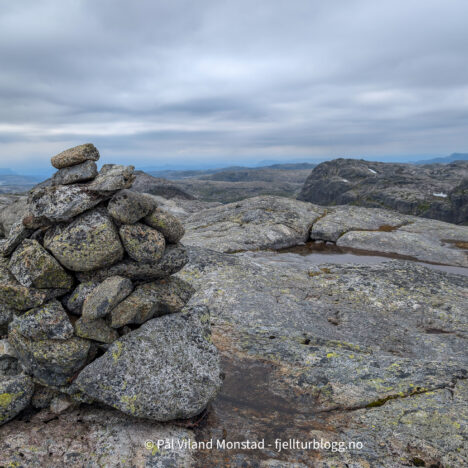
334 352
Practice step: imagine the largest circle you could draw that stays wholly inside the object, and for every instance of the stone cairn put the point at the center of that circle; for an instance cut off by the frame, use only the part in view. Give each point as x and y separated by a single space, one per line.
89 305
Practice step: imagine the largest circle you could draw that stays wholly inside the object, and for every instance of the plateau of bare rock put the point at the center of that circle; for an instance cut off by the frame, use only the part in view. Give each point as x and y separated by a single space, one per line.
437 191
60 328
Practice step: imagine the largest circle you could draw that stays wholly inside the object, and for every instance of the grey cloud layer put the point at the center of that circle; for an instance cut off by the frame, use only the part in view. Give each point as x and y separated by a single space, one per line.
218 79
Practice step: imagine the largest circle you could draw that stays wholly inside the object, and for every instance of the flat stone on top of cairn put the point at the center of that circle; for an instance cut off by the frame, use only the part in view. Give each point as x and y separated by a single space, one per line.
76 155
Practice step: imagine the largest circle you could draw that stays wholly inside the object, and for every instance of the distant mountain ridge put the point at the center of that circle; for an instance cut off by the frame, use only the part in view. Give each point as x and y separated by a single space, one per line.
445 160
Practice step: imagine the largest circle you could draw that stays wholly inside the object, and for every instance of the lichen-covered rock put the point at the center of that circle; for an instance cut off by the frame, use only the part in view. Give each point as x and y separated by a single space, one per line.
167 369
152 300
89 242
404 243
79 173
6 316
13 295
337 221
51 362
59 203
103 298
15 395
167 224
263 222
76 155
74 302
13 213
47 322
174 259
17 234
96 330
32 265
128 207
43 396
112 177
142 243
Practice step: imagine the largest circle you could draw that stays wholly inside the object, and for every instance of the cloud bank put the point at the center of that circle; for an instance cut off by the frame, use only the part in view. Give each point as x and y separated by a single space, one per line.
158 82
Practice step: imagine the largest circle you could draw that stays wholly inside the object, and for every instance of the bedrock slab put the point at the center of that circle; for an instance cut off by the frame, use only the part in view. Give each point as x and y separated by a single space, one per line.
263 222
330 352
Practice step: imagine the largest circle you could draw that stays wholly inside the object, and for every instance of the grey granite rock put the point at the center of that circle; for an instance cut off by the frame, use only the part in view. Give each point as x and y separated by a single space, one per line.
152 300
91 437
112 177
74 302
422 190
13 295
12 212
166 223
51 362
142 243
104 297
15 395
173 260
337 221
60 203
49 321
33 266
256 223
340 349
17 234
43 396
76 155
80 173
6 316
129 207
89 242
404 243
96 330
167 369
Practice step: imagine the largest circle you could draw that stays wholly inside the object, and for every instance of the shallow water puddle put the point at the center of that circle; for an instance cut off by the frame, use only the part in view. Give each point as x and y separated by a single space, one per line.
304 256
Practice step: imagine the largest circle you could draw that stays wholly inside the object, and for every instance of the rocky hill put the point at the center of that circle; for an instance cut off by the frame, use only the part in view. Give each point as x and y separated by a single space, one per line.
437 191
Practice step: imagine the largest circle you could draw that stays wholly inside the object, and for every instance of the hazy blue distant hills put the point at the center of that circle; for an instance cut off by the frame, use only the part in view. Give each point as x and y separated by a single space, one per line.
446 160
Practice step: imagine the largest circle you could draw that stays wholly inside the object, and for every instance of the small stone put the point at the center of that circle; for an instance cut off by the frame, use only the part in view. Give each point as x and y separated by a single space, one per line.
167 369
173 260
76 155
112 177
15 394
47 322
142 243
74 301
128 207
18 233
167 224
32 265
73 174
152 300
6 316
96 330
6 350
61 403
87 243
104 297
43 396
51 362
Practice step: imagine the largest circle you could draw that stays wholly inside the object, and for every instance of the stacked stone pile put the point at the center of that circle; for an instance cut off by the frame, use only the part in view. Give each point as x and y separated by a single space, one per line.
91 310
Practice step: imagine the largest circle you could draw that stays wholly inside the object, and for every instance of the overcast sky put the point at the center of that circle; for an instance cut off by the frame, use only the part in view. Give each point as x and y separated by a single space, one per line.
165 81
